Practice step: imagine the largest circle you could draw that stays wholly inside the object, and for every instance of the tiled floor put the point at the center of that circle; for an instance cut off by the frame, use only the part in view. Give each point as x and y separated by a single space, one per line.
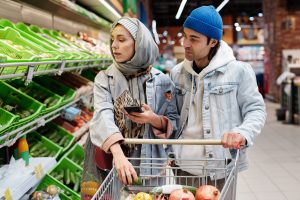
274 172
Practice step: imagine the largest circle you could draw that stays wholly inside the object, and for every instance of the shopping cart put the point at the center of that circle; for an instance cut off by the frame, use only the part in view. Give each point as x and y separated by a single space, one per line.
113 189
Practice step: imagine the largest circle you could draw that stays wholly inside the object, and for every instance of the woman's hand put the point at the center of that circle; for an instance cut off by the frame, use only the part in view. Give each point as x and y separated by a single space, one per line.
125 170
148 116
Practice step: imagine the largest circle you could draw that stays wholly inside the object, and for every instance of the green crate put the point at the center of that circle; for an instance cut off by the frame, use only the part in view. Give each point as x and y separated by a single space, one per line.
63 165
11 95
76 155
42 41
14 38
35 137
49 180
6 119
55 86
59 131
19 84
14 56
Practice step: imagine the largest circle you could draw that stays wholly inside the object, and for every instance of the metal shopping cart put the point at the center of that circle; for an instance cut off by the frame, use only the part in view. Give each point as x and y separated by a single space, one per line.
113 189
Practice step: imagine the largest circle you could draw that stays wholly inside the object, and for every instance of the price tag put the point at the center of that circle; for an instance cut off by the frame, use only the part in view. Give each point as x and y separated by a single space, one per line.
39 171
7 194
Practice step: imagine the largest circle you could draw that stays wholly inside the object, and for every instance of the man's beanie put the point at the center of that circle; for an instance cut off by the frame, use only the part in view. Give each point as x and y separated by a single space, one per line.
205 20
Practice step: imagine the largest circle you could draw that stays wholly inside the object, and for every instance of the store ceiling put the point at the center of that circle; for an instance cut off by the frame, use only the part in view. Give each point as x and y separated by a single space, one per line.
164 11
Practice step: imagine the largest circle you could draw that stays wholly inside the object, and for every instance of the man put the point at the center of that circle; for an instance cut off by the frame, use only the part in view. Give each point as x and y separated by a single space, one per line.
217 96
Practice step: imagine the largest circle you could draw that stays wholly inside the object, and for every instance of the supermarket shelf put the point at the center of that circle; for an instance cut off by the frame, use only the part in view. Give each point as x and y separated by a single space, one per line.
32 70
29 178
11 137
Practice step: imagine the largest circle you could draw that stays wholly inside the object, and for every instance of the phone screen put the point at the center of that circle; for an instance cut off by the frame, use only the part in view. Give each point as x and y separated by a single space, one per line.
131 109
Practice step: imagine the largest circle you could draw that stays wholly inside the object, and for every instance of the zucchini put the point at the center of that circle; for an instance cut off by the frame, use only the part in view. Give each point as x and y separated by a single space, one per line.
67 176
72 177
77 184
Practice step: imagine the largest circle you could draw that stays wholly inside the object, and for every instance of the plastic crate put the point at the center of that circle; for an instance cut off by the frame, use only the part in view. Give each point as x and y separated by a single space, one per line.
11 95
63 165
35 137
19 84
13 55
76 155
50 128
67 93
6 119
13 36
42 41
49 180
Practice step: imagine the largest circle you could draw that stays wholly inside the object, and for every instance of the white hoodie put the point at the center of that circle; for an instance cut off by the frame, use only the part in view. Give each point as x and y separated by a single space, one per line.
194 127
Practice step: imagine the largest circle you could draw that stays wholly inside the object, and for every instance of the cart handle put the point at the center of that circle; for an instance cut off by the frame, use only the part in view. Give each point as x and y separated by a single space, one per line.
173 141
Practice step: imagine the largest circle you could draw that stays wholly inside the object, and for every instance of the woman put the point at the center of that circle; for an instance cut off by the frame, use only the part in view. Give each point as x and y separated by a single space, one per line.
131 81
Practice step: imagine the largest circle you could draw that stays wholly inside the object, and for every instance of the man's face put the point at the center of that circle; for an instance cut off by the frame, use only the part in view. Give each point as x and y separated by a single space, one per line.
195 45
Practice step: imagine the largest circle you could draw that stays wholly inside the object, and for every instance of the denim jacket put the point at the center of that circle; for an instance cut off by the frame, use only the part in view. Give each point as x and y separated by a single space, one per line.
231 101
109 85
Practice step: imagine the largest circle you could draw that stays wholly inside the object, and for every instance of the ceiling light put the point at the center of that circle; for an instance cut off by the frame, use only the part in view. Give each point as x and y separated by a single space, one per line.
164 41
109 7
156 38
179 34
251 18
222 5
165 33
236 24
260 14
180 9
238 28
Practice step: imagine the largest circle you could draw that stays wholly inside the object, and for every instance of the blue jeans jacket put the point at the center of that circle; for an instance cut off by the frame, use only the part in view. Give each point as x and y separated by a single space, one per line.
231 102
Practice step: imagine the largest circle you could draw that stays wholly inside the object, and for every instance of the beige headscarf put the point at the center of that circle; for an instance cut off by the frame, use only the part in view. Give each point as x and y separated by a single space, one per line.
146 50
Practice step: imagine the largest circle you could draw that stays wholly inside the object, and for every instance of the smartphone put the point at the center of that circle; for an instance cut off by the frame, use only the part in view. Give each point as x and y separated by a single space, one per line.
131 109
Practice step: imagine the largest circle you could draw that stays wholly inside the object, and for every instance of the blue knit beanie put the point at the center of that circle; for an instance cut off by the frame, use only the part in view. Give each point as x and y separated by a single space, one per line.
205 20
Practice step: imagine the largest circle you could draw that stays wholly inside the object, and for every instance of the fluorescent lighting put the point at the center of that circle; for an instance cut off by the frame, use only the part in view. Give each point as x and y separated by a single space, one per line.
179 34
109 7
165 33
251 18
155 32
183 2
238 28
236 24
222 5
260 14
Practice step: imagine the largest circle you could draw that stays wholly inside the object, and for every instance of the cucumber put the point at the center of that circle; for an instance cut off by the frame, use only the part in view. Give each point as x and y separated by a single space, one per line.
62 141
36 146
77 184
67 176
72 177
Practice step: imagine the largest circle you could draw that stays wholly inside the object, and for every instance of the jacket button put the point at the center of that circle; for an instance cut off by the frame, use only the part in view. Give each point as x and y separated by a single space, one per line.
221 90
206 107
208 131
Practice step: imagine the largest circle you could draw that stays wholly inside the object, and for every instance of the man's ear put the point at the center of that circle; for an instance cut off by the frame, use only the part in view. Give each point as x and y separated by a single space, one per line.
213 42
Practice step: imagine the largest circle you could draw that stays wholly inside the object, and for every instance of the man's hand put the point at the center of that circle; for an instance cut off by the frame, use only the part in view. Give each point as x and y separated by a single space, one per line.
233 140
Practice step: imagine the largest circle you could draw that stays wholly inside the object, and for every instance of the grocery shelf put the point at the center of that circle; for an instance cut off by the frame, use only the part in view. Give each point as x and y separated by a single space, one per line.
32 67
11 137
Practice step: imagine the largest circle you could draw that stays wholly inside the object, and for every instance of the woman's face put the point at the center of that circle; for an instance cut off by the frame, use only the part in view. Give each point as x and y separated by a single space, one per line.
122 44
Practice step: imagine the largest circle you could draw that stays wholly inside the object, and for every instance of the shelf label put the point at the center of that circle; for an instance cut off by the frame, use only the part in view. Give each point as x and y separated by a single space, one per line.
7 194
39 171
